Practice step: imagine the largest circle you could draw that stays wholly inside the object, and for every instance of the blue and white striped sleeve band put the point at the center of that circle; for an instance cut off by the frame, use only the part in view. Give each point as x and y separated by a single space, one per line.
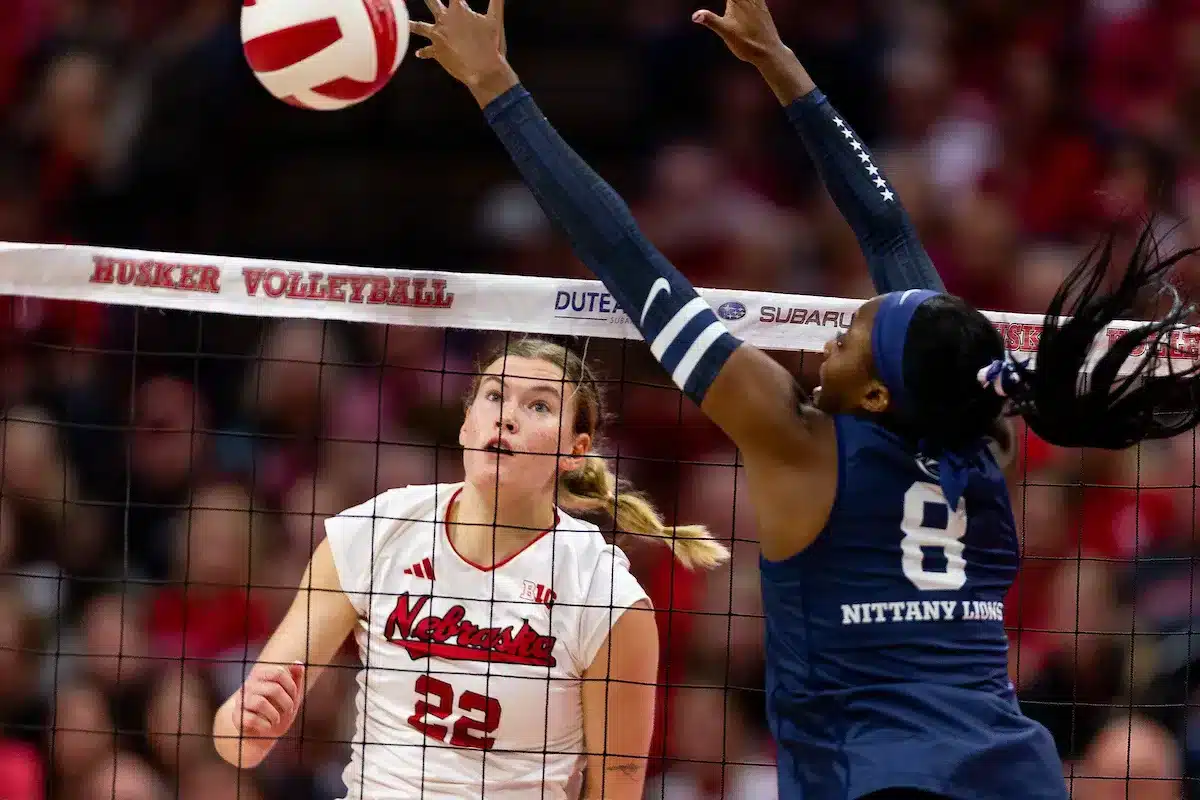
685 336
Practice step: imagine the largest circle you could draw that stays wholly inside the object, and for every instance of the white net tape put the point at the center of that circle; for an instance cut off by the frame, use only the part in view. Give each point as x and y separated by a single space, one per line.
474 301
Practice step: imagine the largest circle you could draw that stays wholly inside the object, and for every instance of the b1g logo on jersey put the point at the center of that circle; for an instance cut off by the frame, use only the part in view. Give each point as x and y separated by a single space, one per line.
454 637
537 593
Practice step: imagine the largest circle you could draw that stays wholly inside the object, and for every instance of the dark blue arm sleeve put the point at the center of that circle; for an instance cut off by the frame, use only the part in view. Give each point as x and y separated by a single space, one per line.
682 331
864 197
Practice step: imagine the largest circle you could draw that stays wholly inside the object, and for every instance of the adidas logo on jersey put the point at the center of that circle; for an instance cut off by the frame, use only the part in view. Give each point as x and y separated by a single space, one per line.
424 569
452 636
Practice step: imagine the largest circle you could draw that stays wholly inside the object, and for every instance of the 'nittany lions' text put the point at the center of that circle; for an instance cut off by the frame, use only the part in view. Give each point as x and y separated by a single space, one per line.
922 611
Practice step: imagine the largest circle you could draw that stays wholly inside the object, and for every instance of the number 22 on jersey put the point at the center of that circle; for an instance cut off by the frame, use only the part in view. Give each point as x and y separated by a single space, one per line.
467 730
922 502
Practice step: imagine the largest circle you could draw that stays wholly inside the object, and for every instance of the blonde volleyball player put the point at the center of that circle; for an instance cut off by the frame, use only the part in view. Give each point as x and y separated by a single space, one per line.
507 650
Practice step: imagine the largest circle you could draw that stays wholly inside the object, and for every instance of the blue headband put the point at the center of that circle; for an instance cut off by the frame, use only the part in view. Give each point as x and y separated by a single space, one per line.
887 341
888 336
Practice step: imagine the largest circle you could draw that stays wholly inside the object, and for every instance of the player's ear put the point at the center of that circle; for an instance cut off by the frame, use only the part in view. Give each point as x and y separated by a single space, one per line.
580 447
876 398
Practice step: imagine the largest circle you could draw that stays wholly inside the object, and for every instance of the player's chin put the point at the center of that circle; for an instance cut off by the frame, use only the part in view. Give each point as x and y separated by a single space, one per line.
490 469
483 465
824 400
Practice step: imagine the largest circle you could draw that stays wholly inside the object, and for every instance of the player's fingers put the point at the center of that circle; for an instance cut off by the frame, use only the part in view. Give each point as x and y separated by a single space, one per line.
254 725
260 706
282 677
425 52
421 29
710 20
296 673
465 7
436 8
496 10
274 693
250 723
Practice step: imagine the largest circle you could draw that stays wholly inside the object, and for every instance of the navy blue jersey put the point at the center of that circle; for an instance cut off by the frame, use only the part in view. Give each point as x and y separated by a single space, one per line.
887 661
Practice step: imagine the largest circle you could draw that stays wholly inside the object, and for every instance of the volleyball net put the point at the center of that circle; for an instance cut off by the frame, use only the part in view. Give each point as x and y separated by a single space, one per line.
467 301
178 427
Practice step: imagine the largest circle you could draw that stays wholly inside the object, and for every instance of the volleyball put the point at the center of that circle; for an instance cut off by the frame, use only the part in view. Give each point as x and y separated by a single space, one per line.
324 54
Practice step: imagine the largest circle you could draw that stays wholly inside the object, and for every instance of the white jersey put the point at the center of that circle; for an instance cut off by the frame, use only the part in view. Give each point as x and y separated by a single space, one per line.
471 681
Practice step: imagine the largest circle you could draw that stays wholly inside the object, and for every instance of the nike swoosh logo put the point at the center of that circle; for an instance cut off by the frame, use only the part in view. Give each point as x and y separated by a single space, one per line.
659 285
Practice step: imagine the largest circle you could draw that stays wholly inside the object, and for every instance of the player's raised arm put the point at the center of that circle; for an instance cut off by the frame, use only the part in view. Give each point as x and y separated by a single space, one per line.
895 257
320 618
747 393
857 185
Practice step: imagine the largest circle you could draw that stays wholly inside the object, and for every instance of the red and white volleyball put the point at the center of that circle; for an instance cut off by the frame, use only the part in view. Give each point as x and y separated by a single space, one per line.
324 54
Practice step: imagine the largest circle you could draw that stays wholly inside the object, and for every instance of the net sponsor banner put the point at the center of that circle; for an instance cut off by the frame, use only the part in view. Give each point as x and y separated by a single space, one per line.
475 301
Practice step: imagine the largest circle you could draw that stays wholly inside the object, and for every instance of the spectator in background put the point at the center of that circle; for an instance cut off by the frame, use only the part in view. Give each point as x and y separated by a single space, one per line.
40 481
23 712
723 754
1132 757
21 28
115 654
212 608
19 212
21 771
82 735
125 777
169 451
218 781
178 721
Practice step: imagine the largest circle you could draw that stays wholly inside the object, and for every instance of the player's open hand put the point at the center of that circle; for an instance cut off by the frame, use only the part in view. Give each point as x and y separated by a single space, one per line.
468 45
268 701
747 28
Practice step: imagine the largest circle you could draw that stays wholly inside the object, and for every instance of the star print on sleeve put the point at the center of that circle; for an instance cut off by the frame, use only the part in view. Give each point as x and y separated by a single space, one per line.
885 191
859 188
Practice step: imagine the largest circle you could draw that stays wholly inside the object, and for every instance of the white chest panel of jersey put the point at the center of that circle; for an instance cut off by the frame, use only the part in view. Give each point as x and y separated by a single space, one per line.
471 680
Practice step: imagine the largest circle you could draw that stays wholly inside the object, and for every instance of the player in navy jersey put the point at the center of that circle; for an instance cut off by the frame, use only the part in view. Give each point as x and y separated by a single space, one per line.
887 534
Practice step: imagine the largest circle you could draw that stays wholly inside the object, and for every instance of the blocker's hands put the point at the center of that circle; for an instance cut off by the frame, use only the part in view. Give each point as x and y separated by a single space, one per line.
470 46
747 28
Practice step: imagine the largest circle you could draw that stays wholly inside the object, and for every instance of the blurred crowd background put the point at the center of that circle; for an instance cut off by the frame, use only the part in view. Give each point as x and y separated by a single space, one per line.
164 476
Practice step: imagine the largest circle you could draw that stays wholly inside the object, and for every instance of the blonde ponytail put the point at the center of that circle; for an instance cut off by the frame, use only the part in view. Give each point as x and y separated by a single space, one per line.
593 489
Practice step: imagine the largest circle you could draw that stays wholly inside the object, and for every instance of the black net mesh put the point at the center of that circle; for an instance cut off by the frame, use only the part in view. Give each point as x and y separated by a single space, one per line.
167 475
